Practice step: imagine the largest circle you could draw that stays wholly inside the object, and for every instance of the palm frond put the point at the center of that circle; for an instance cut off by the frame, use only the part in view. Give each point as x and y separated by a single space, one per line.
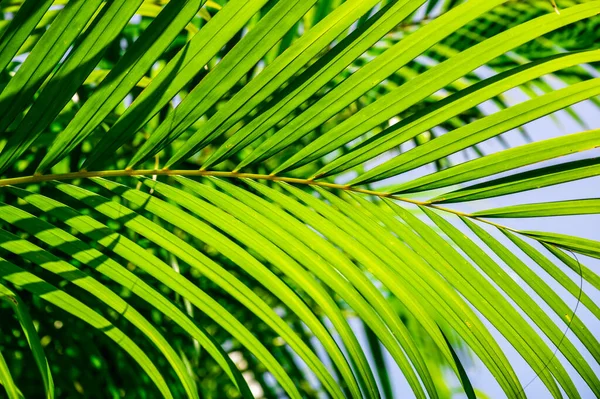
232 193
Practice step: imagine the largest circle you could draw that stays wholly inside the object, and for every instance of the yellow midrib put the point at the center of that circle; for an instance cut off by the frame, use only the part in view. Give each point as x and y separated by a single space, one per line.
237 175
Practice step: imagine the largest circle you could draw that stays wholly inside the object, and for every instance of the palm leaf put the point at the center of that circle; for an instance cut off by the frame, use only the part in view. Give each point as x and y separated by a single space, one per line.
9 385
219 190
33 339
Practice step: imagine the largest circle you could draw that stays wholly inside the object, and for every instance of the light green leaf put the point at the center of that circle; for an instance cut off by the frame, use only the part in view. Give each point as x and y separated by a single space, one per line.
275 74
481 294
16 303
346 268
421 280
554 301
504 160
557 274
524 302
130 251
271 28
305 257
430 117
368 76
542 209
530 180
577 244
482 130
316 76
270 252
575 265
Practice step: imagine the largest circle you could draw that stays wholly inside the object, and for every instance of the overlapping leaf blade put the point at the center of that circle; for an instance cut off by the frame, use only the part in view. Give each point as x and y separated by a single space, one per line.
505 160
130 251
305 79
46 260
544 209
65 82
172 78
30 282
18 306
525 181
7 381
117 84
431 116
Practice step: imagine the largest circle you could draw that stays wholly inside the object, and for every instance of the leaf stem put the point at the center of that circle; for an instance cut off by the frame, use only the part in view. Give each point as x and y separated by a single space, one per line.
38 178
